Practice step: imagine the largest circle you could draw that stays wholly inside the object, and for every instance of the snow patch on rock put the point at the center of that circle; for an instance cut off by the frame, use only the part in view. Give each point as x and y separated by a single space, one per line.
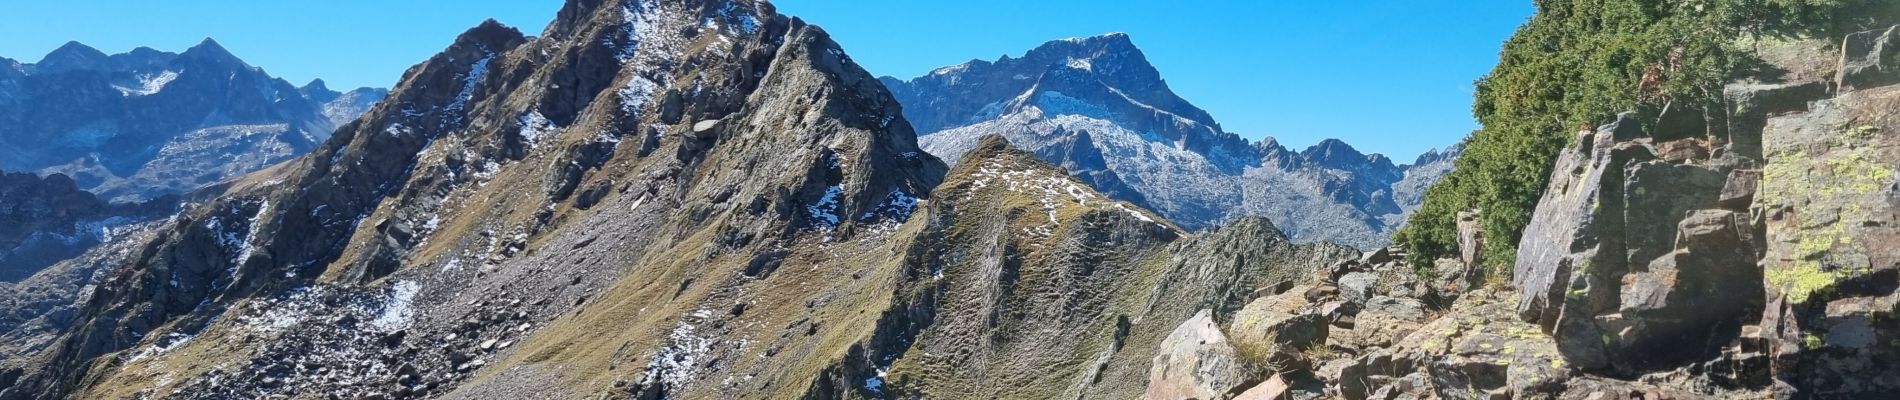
149 84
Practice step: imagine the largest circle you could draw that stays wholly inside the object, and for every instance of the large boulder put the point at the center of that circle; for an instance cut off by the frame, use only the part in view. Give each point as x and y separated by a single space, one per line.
1358 287
1196 362
1599 263
1870 59
1696 295
1470 238
1273 329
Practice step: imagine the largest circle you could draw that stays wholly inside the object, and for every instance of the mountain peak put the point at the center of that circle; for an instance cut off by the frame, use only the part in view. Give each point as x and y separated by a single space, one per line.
75 47
491 34
316 84
991 143
72 56
210 49
10 68
1118 47
1106 40
1334 145
1334 152
208 44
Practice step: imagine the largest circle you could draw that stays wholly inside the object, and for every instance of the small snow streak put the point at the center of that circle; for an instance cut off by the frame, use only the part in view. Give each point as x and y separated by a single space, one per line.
476 72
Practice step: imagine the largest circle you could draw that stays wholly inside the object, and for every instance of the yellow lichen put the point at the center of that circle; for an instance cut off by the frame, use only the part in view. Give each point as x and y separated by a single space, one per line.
1801 280
1824 193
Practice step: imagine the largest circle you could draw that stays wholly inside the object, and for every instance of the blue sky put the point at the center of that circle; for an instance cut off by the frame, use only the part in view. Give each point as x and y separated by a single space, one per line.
1388 76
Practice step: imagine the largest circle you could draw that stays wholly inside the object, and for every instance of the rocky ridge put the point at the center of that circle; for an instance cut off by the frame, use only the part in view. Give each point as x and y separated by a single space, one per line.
146 123
777 232
679 199
1741 255
46 220
1096 107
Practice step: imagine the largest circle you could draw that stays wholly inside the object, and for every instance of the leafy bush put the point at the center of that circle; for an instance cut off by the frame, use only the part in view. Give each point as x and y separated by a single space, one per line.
1579 63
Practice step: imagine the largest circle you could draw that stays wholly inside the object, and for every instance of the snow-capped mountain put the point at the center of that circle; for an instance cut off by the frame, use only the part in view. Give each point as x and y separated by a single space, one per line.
146 123
342 107
1098 108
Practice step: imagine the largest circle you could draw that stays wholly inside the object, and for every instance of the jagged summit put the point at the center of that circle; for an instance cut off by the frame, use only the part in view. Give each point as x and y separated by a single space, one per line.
490 32
714 133
1336 153
1102 66
1098 108
146 123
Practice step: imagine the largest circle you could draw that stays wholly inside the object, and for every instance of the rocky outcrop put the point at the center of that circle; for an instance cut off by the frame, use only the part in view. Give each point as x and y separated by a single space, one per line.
1609 267
1750 258
1410 338
1826 202
1096 107
146 123
1196 362
1310 340
46 220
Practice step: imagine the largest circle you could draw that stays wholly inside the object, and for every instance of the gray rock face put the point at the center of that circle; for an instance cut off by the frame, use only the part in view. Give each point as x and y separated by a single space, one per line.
1607 264
1470 238
1653 252
1096 107
1196 362
1827 200
1869 59
144 124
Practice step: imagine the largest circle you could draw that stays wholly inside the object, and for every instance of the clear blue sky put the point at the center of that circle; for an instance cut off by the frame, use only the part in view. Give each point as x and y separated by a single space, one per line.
1388 76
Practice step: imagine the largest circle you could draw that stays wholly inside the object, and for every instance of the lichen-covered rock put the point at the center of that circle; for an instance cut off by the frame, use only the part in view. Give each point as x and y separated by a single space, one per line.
1828 198
1275 326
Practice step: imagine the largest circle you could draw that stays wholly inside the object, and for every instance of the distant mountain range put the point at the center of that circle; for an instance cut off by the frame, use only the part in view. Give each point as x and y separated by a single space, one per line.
1097 107
147 123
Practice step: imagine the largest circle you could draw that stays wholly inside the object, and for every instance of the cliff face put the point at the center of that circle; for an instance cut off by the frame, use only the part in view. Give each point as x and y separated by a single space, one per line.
1759 249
